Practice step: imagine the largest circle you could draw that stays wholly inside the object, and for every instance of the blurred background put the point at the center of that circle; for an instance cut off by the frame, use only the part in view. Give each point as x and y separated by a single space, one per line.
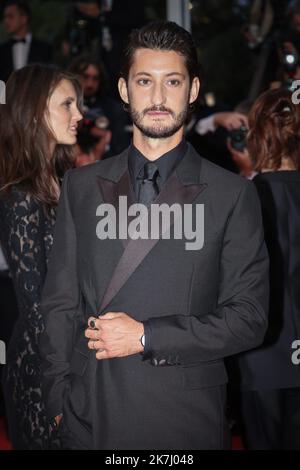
218 27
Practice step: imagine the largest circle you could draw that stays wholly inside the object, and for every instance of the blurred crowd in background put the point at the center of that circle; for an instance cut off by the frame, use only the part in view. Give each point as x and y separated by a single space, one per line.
245 47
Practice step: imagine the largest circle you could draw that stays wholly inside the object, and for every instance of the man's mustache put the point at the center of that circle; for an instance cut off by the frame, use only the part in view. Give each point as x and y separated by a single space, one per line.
162 109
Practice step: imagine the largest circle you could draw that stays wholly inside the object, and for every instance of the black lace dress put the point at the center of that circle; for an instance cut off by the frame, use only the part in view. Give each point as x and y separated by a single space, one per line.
26 233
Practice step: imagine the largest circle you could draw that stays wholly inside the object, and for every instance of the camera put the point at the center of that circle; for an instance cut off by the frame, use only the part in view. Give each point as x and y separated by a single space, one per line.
95 117
238 138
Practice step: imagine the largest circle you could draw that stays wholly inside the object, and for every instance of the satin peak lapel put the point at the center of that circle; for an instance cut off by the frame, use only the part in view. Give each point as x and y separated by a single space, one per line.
112 190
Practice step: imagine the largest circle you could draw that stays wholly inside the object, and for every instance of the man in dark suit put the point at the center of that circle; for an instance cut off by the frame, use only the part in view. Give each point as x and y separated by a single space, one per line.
137 326
22 48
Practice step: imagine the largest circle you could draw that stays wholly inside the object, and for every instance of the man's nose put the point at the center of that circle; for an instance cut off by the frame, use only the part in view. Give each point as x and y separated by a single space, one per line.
158 95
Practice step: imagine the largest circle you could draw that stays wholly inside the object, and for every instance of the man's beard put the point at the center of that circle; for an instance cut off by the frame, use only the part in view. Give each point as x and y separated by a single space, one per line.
159 130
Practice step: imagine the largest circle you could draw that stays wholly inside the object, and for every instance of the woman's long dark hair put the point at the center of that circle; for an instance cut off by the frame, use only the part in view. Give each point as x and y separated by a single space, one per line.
274 130
25 158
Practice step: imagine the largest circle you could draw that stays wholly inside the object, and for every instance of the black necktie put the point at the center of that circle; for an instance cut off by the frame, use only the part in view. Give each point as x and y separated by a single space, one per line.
148 187
16 41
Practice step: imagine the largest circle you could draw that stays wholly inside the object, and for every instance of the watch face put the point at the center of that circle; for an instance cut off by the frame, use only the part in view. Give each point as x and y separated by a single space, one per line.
143 340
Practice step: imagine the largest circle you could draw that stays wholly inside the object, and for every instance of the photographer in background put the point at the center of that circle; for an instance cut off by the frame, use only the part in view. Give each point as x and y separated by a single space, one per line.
237 143
104 117
213 125
288 45
101 28
83 30
293 20
273 33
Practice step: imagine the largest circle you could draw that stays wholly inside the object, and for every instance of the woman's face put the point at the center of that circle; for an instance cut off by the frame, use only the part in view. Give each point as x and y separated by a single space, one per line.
63 114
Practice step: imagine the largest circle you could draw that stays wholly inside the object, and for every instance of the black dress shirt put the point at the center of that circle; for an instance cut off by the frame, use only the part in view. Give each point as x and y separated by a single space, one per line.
166 164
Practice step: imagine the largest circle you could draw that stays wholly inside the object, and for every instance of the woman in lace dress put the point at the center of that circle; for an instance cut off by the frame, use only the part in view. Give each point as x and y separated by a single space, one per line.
37 130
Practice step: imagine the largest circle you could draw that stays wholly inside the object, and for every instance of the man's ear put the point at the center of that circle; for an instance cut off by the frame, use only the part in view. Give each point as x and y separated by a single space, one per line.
122 85
194 91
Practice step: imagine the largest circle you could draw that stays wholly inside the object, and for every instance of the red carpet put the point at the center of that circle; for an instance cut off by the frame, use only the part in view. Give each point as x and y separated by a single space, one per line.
237 443
4 442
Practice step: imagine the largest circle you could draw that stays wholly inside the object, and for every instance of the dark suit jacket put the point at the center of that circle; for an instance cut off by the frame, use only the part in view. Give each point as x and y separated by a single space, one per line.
200 305
39 52
271 366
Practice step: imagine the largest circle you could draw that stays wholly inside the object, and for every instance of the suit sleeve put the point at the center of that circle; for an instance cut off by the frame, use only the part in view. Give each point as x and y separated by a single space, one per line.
239 321
60 299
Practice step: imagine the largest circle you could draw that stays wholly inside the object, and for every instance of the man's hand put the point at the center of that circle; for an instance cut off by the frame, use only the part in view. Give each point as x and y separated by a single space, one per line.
230 120
114 334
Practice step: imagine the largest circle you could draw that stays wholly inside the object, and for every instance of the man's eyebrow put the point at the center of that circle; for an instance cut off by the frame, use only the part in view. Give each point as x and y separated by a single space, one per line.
176 73
143 73
147 74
